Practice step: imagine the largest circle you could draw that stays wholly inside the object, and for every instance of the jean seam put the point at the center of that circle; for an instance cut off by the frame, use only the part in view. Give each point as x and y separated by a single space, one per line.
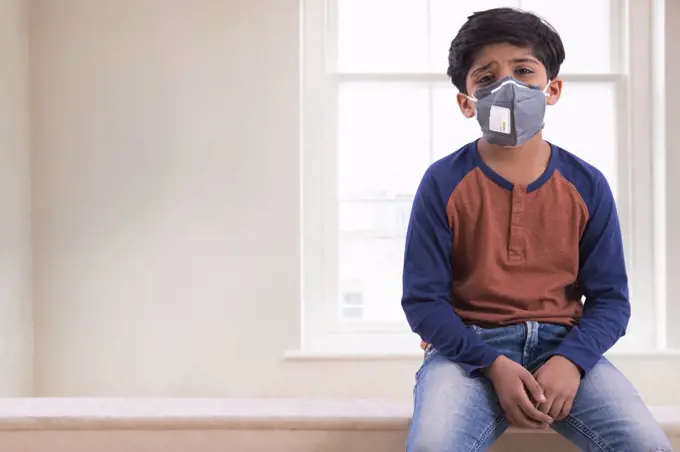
429 352
485 435
415 404
580 427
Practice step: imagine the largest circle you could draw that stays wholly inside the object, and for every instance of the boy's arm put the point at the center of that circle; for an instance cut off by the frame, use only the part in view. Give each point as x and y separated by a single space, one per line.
603 280
427 284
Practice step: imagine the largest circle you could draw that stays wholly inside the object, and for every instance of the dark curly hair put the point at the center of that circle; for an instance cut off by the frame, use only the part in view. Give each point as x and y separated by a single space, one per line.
504 25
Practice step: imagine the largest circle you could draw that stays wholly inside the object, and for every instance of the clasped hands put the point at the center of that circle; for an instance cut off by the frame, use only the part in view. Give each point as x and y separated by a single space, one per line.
535 401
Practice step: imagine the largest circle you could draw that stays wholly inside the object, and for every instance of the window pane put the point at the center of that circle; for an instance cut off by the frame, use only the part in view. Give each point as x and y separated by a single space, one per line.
584 123
371 259
370 274
446 18
383 219
382 35
451 130
383 139
589 52
585 27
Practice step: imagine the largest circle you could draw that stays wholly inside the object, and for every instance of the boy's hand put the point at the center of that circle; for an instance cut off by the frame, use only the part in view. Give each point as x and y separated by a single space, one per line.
511 382
560 379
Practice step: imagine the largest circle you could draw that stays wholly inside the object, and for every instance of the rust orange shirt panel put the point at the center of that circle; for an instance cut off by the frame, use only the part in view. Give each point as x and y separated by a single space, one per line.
515 252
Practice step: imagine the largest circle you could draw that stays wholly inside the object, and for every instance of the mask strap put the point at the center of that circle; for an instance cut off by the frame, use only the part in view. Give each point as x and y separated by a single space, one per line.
545 90
507 82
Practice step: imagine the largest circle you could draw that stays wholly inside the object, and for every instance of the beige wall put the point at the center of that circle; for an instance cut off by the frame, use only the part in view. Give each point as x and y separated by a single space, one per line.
166 172
15 228
166 208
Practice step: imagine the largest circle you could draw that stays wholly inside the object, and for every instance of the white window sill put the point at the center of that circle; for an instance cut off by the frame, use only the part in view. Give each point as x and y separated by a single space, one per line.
302 355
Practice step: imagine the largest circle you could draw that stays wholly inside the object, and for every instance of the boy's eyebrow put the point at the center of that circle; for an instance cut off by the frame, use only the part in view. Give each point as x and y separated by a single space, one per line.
482 68
525 60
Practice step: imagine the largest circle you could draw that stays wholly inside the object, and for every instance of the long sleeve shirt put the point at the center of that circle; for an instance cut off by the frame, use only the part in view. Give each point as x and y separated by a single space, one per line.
483 251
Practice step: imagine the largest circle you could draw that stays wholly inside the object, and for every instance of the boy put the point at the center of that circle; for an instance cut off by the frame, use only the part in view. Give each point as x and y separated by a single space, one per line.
506 236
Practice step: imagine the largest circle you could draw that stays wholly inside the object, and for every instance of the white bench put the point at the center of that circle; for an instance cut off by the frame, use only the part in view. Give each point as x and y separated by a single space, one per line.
103 425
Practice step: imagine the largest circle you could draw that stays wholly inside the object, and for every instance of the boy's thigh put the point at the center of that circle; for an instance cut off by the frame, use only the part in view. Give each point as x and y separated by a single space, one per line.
453 411
609 415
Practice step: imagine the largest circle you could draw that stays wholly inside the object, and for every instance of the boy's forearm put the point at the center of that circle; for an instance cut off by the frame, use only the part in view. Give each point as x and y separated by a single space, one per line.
437 324
603 323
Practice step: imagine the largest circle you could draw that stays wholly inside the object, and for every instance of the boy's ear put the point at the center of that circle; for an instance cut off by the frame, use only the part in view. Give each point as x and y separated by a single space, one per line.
554 92
467 107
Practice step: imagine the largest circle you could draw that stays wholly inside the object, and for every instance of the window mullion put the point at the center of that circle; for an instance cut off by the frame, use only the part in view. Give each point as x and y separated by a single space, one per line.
659 171
428 28
318 120
636 167
430 101
330 36
618 22
402 77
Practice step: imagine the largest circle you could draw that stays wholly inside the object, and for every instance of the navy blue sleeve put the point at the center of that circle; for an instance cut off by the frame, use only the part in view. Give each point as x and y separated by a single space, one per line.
602 279
427 283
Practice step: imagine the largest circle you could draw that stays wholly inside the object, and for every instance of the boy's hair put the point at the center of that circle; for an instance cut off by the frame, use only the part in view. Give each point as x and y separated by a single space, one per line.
504 25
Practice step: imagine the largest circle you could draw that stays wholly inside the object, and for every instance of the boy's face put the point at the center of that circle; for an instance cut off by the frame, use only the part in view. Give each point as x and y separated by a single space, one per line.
498 61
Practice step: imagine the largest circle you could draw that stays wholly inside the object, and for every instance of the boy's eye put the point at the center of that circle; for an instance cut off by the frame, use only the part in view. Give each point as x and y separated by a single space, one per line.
485 80
524 71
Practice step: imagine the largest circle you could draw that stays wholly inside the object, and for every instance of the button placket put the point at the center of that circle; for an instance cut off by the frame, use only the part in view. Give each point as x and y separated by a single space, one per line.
516 246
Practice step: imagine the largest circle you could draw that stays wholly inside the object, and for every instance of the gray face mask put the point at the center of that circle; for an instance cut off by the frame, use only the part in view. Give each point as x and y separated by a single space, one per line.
510 112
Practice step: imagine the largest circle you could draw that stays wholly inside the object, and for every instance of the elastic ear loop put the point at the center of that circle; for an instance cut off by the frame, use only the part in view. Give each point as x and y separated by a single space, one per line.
471 99
545 90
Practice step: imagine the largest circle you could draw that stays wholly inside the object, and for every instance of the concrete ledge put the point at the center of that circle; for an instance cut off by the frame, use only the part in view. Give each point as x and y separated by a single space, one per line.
227 414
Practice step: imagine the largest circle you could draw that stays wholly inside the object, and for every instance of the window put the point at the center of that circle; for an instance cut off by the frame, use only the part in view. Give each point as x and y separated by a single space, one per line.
378 109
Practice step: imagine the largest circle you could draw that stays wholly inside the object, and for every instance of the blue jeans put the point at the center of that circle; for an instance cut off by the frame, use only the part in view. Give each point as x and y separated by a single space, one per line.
455 412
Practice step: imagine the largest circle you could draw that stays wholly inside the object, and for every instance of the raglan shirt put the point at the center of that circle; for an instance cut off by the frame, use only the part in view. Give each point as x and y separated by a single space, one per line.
483 251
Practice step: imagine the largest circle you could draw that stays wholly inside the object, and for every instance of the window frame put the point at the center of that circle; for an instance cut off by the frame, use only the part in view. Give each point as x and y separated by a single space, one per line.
322 332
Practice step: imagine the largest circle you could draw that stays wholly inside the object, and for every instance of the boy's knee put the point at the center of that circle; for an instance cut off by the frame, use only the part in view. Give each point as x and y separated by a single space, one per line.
643 441
654 448
444 437
422 443
428 434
